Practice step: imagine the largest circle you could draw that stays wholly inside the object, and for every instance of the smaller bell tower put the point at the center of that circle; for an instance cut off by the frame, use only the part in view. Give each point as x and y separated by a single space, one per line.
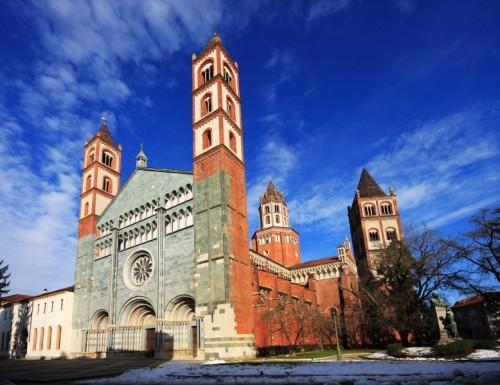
275 238
375 222
100 178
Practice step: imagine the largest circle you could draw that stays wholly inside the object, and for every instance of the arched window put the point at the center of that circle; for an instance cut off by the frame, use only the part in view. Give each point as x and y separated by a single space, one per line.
391 234
230 108
207 138
268 210
386 208
206 72
369 210
86 209
40 344
228 75
58 337
88 183
34 338
373 235
268 219
277 218
90 156
206 104
107 159
106 184
232 141
49 337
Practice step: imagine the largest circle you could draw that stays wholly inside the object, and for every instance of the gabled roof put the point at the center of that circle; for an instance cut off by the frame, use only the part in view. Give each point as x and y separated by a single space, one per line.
315 262
69 288
14 298
368 187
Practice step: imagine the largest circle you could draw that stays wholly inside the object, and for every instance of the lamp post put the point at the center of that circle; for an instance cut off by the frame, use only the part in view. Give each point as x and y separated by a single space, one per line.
334 316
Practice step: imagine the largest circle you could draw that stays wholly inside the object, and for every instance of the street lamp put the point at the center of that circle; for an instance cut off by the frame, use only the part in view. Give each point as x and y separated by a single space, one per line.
334 316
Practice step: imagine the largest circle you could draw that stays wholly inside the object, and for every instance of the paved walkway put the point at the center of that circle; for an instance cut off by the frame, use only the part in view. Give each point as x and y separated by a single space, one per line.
65 371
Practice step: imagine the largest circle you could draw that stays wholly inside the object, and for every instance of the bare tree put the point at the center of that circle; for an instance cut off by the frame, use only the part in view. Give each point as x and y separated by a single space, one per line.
408 273
479 252
291 317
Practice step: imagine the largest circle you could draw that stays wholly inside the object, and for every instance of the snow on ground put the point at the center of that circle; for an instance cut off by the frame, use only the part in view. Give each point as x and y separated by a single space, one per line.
344 372
483 354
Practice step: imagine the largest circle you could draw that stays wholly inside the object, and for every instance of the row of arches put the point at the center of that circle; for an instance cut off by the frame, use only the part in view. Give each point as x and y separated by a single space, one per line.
268 238
179 196
385 209
173 222
44 342
139 312
137 236
137 214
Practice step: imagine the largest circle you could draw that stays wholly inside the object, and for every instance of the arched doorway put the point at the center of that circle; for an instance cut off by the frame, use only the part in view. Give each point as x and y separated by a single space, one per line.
97 336
138 326
180 329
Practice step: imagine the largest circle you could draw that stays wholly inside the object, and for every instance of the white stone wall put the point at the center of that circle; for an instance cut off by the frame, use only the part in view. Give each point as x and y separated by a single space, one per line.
47 314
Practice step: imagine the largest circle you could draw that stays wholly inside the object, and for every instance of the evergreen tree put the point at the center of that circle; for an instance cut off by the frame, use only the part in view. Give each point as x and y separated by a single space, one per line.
4 279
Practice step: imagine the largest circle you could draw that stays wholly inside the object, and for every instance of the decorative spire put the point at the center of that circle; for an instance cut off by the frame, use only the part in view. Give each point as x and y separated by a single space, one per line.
141 160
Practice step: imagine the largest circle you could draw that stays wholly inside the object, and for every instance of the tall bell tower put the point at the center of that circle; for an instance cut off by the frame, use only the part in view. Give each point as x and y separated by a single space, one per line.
100 183
222 259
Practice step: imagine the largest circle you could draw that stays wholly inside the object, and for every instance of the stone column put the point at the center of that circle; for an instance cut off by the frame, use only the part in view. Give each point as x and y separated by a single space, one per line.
160 218
113 279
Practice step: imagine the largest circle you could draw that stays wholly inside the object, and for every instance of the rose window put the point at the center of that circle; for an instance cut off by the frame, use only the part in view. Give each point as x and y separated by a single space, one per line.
141 271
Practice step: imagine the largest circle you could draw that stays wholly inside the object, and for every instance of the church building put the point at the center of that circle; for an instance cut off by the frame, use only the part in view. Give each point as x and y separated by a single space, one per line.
163 262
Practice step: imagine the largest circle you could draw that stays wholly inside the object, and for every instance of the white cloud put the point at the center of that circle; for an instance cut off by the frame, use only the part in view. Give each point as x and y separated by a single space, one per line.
324 8
83 55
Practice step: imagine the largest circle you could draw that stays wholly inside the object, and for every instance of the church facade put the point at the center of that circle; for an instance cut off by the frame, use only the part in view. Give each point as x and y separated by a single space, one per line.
163 262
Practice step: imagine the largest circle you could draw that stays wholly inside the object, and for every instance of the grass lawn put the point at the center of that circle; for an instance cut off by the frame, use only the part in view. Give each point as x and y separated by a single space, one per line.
315 354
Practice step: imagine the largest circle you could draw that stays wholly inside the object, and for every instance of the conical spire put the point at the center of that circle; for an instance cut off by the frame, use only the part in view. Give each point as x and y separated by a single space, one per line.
272 195
368 187
103 131
141 160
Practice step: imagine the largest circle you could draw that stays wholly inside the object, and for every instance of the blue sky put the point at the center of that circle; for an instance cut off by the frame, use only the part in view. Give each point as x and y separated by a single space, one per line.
408 89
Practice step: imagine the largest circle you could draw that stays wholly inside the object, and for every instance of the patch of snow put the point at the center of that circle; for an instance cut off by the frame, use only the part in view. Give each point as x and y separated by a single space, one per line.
484 354
379 355
418 351
359 372
214 362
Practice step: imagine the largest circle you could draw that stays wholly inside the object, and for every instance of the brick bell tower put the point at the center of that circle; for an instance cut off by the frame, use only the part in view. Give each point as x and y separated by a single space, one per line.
222 259
275 238
374 220
100 178
100 183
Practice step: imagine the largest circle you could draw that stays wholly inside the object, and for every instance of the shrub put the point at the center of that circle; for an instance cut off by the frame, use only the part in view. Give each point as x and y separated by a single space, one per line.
395 350
459 348
485 344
